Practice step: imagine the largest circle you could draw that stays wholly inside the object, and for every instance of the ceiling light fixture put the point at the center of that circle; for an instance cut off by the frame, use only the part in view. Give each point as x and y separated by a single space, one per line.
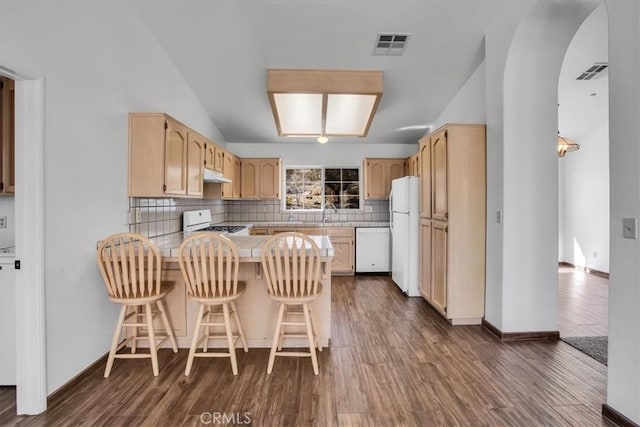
565 146
321 103
323 139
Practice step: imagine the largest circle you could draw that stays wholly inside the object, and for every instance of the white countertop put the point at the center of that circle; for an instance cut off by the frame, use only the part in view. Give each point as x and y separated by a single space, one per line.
248 246
302 224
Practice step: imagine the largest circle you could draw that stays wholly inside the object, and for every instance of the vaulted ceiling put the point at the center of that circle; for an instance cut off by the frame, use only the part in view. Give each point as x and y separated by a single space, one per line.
223 49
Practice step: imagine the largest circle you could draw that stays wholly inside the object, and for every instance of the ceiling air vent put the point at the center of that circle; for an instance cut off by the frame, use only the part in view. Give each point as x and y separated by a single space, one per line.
390 44
593 71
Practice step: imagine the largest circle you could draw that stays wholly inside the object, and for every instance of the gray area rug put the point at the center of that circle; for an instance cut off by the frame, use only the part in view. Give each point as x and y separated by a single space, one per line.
596 347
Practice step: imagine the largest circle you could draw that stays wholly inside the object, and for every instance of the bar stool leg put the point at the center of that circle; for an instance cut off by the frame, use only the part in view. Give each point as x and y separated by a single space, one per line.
207 329
232 347
284 318
236 318
134 335
114 342
313 328
312 345
152 339
194 341
276 337
167 326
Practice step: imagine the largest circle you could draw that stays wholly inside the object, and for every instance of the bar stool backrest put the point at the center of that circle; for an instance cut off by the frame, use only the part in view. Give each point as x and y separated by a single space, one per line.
291 264
209 263
130 265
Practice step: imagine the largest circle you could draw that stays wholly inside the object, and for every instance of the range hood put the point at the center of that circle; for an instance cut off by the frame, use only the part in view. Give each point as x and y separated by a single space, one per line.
216 177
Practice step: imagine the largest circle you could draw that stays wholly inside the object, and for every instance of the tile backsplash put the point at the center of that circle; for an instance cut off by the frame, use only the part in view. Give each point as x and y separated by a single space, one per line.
270 210
164 216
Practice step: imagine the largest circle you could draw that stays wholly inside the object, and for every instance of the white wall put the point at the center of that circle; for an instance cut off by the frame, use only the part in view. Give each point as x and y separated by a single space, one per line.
623 373
468 106
322 154
7 235
497 42
99 63
586 203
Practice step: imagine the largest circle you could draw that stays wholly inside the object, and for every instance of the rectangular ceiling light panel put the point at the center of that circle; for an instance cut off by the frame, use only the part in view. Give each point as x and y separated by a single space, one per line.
299 113
323 102
349 114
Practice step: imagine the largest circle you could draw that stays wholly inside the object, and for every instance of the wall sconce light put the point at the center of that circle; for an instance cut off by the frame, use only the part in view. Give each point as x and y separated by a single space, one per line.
565 146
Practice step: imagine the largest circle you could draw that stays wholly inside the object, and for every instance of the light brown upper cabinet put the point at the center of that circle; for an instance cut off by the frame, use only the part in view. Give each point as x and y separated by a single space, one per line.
250 178
237 178
228 170
195 163
260 179
218 159
378 174
412 167
439 175
270 179
424 154
7 136
209 154
157 156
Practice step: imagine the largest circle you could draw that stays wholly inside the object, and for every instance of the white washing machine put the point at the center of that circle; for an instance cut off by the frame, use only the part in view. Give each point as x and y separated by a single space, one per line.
373 247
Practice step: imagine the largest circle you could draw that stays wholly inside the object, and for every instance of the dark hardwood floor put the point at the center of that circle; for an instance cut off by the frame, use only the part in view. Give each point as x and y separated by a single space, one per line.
583 303
393 361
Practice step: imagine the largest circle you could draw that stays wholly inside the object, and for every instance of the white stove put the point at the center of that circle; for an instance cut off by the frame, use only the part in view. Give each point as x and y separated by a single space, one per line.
200 220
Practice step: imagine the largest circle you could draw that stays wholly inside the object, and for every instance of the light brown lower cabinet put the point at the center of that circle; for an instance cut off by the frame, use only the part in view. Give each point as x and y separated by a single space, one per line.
425 259
175 301
342 238
439 266
258 231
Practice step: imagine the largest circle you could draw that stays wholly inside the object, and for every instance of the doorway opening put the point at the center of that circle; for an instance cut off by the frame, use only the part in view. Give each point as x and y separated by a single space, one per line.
583 189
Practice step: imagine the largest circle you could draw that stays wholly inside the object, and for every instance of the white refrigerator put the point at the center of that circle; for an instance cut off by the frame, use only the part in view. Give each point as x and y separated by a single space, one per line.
404 207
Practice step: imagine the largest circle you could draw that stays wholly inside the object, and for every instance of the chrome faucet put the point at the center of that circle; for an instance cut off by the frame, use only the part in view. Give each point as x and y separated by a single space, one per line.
325 217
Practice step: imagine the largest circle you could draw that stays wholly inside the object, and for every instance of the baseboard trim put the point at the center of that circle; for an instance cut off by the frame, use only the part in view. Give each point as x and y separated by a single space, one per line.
591 271
616 417
62 391
521 336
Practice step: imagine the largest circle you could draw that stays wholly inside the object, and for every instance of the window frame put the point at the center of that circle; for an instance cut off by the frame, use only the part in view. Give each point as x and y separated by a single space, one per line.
283 205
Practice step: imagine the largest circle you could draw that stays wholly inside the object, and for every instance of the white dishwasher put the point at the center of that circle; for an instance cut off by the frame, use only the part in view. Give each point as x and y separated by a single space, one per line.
372 249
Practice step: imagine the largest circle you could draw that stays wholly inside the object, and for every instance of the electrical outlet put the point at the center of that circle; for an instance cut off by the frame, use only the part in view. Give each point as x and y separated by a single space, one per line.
595 254
3 222
368 209
499 217
138 215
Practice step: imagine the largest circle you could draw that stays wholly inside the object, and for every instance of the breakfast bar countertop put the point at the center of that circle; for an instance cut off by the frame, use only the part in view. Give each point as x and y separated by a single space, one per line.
249 247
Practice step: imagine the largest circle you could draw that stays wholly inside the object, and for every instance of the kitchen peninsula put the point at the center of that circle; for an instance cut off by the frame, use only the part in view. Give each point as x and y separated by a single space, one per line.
257 311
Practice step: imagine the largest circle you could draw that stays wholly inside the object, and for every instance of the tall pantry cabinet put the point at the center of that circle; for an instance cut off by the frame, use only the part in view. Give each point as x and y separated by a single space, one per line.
453 221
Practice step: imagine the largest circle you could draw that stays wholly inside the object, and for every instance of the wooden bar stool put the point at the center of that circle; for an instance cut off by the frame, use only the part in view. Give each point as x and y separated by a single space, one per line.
130 265
209 265
291 264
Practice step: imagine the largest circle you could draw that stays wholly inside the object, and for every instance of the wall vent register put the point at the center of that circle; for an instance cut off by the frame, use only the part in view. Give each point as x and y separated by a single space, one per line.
390 44
593 71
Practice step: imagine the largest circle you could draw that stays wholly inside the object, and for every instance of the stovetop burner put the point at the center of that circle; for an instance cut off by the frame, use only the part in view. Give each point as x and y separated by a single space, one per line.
224 228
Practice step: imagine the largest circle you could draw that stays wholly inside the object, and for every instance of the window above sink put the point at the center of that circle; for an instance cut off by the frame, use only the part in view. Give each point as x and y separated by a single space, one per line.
318 188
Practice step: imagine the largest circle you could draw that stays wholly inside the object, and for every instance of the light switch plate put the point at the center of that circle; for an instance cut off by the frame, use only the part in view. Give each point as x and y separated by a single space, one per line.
629 229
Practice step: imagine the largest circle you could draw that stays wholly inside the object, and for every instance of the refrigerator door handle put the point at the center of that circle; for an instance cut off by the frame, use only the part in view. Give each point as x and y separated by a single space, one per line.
391 210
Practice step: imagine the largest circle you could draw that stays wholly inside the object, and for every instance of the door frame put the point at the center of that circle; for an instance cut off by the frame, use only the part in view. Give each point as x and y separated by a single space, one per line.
31 375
